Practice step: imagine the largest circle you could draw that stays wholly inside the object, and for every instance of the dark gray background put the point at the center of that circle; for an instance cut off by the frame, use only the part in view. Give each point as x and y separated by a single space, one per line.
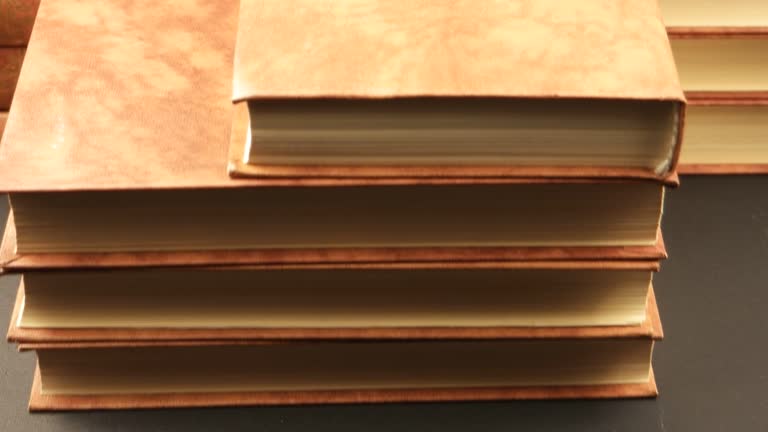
712 367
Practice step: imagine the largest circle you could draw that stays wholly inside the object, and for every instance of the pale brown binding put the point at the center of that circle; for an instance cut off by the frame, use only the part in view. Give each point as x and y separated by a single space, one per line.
40 402
26 262
369 49
32 338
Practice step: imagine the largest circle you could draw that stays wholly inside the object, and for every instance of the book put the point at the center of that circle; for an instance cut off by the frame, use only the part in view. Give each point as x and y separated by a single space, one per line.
547 213
721 67
719 62
124 375
726 135
16 20
141 168
444 96
13 261
40 402
425 300
10 67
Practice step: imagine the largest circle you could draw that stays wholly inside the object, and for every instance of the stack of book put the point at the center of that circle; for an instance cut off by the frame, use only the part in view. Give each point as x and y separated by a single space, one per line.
405 202
721 49
16 20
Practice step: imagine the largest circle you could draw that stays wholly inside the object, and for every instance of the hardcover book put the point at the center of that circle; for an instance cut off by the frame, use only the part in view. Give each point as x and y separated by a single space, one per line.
520 88
722 63
13 261
715 61
121 375
436 301
41 401
726 135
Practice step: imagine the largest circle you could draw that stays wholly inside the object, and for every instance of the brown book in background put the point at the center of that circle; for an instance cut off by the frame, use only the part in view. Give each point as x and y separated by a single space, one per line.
16 20
721 51
426 89
726 134
10 68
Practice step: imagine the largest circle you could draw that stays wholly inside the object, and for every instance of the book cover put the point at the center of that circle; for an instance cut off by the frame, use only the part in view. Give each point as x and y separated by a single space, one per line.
324 53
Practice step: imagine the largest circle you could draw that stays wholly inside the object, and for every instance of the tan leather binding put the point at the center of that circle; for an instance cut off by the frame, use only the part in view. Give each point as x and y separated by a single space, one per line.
11 262
10 68
363 48
651 327
16 20
40 402
151 108
367 49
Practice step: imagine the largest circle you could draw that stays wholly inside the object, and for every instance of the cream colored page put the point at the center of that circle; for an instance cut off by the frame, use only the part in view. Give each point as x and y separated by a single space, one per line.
334 298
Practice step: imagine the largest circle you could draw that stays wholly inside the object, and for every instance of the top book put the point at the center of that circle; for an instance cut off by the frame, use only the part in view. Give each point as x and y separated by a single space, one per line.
431 88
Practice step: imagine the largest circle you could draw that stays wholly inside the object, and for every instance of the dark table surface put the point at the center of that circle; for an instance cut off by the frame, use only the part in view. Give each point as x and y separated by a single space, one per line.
711 368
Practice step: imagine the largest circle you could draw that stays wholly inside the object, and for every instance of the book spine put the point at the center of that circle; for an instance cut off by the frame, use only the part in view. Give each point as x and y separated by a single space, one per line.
16 20
10 67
